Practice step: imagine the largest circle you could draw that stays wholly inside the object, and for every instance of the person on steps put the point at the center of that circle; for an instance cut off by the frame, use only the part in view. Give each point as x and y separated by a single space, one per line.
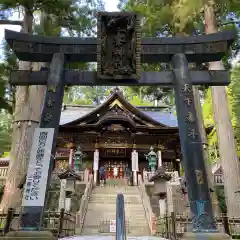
128 175
115 174
102 175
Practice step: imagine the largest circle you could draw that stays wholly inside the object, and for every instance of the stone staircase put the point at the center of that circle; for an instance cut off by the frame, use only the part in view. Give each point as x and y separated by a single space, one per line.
102 209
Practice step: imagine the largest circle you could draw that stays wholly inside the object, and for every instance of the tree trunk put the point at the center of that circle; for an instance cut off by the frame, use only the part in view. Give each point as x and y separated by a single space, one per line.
226 140
203 135
26 119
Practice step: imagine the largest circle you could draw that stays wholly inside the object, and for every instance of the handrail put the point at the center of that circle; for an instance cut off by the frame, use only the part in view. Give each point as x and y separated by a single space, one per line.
120 218
151 217
80 216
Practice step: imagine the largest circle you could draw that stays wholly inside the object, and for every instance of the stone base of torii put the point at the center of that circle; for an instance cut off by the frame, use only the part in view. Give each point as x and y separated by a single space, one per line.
29 235
206 236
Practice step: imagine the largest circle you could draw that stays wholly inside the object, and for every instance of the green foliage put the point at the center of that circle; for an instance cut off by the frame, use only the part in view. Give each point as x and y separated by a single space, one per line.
158 20
1 192
221 199
86 95
5 132
137 101
234 92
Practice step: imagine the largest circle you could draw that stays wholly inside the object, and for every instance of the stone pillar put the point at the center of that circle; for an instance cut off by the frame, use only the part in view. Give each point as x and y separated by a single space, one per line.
169 199
159 154
135 166
86 175
192 151
68 204
70 159
162 207
62 196
95 165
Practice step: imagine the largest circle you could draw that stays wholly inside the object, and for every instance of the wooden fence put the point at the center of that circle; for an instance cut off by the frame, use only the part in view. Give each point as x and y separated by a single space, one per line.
61 224
174 226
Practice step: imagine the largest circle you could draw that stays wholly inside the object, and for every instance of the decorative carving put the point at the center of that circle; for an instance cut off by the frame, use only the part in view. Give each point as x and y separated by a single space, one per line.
115 128
118 54
118 112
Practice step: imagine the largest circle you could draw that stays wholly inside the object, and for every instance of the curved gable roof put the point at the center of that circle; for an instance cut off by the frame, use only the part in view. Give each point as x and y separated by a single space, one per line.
116 98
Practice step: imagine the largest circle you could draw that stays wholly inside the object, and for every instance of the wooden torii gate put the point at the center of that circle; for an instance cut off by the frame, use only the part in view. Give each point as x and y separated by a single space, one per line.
119 52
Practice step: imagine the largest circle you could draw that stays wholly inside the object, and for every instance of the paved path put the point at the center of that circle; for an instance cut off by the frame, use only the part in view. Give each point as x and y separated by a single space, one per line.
111 238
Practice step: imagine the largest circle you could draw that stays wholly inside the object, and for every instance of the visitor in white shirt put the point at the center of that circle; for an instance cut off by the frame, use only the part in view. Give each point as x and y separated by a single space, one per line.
115 174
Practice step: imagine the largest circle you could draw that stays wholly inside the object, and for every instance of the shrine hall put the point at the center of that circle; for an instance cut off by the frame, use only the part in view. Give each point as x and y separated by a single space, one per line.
117 134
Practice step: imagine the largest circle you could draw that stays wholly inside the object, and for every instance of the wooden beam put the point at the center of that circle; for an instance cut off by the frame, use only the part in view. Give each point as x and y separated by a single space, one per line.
73 77
204 48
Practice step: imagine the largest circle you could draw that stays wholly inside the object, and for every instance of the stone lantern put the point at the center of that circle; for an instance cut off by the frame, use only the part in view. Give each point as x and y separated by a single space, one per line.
78 159
152 159
68 181
160 188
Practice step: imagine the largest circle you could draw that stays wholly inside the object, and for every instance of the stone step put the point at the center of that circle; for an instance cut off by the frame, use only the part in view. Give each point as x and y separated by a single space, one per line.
98 214
127 198
91 216
116 190
114 195
90 220
132 231
131 206
102 207
131 203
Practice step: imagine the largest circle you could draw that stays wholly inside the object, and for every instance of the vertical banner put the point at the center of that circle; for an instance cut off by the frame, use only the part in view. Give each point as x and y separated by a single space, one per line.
96 160
37 174
61 202
70 159
159 158
134 161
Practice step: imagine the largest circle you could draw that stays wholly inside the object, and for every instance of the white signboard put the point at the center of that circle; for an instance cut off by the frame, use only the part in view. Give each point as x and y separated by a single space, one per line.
159 159
112 226
37 175
135 161
96 160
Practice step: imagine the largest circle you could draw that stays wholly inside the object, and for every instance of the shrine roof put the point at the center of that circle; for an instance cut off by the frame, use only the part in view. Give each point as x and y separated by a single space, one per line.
4 160
117 108
73 112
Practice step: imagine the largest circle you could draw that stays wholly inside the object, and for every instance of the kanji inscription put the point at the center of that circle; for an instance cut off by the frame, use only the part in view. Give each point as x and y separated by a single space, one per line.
188 101
199 175
190 118
118 55
192 133
47 117
52 88
50 102
186 88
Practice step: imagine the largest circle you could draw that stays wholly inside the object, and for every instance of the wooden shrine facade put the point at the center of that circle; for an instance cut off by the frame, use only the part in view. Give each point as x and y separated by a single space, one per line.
115 129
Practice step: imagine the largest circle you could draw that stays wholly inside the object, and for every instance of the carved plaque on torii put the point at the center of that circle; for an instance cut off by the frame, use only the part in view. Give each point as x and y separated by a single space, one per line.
119 46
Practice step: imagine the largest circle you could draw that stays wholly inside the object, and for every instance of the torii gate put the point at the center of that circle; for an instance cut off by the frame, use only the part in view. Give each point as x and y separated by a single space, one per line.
119 51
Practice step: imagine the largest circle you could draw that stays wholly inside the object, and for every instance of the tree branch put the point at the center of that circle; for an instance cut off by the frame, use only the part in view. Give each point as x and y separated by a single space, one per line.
10 22
231 22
